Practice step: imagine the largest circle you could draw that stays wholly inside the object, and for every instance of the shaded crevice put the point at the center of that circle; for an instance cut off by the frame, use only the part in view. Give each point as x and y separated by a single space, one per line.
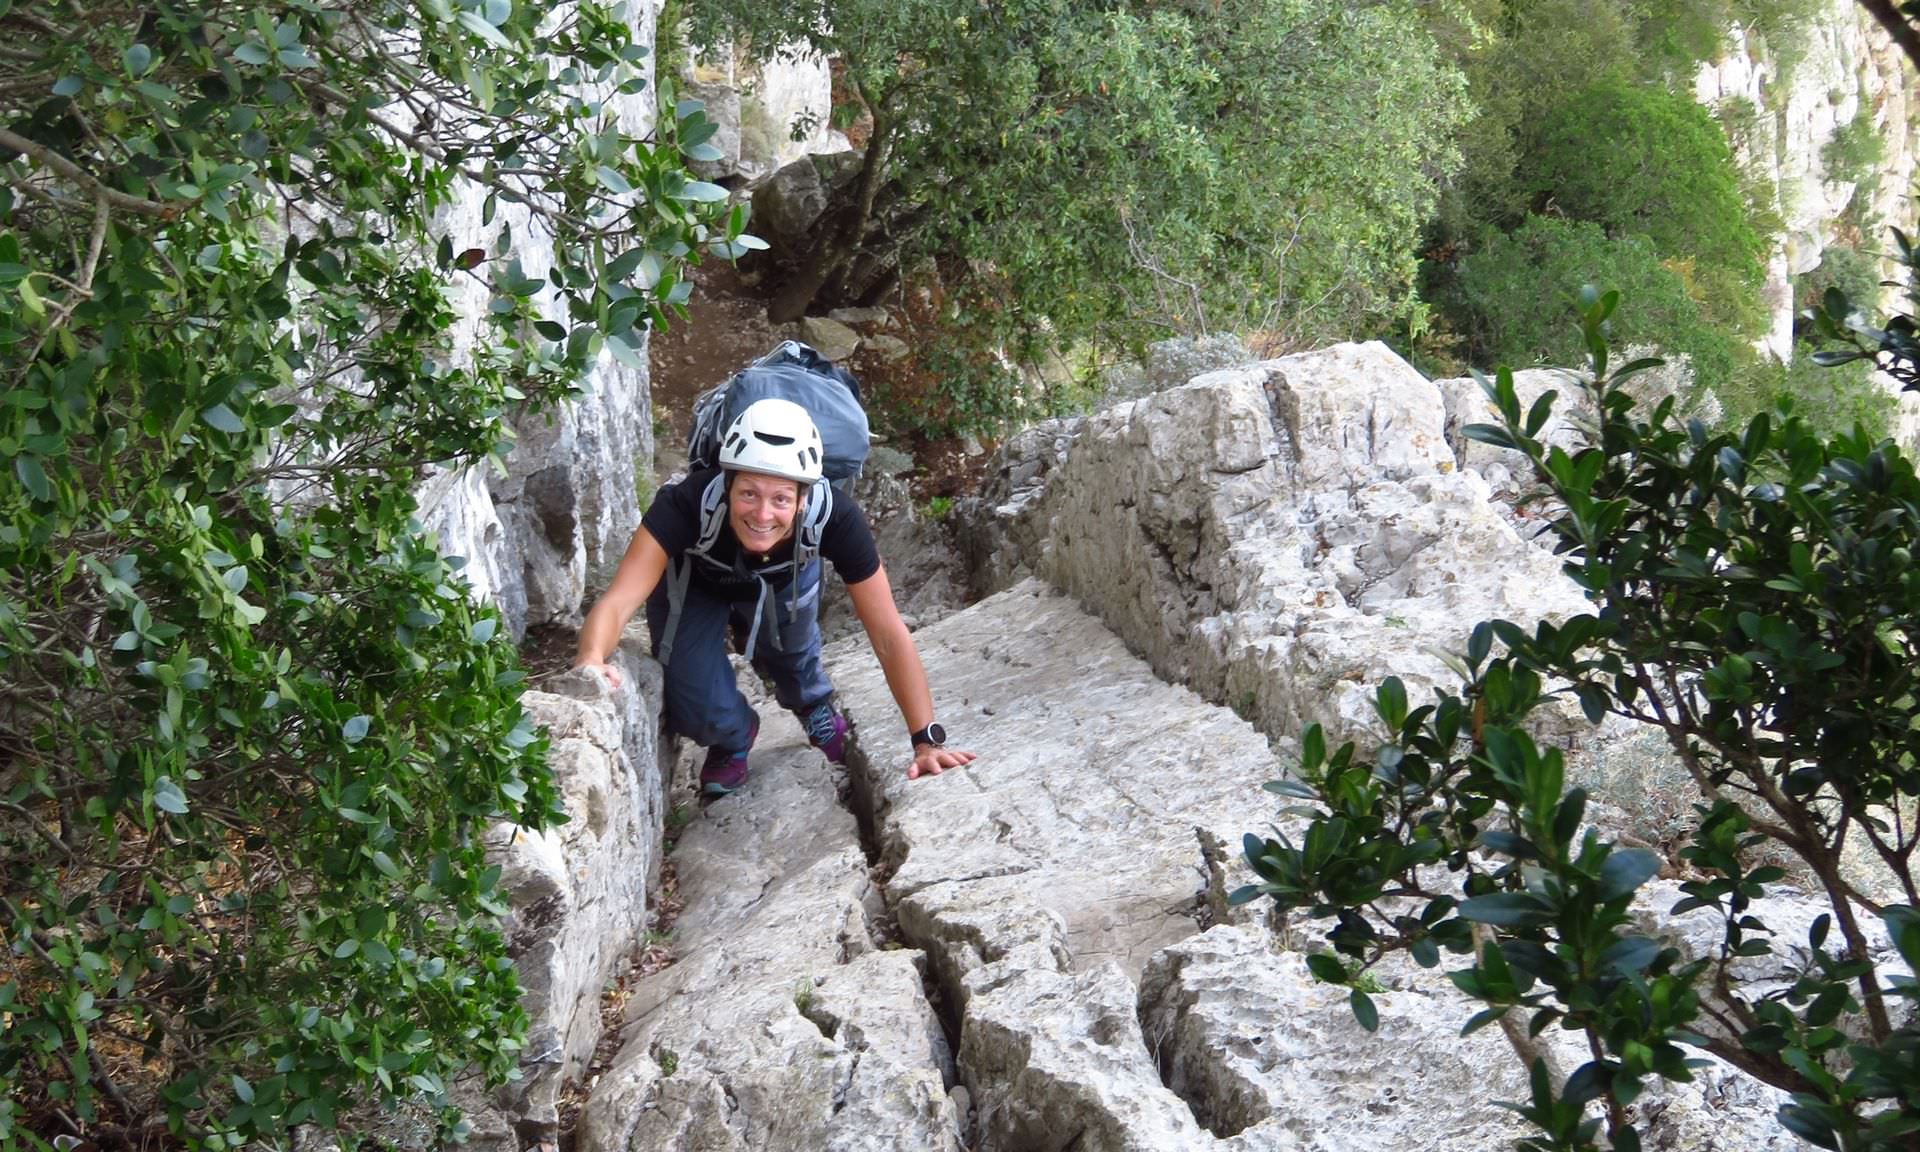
869 807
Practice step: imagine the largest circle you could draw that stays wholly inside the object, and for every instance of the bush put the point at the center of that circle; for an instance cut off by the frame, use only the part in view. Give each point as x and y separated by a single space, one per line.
1856 148
252 727
1646 161
1755 600
1830 400
1512 299
1119 174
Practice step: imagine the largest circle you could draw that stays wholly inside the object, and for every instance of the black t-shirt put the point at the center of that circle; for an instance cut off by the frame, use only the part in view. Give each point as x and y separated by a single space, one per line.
674 520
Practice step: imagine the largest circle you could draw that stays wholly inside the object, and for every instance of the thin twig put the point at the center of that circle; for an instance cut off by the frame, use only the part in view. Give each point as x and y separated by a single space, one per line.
102 214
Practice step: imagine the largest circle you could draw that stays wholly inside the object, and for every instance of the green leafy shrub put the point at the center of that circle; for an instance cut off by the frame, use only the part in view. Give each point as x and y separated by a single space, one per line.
1755 599
1643 160
1845 335
1512 299
1856 148
1118 174
1829 400
253 727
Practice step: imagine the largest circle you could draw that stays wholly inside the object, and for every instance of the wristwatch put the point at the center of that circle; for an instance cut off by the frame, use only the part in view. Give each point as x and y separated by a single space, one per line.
934 734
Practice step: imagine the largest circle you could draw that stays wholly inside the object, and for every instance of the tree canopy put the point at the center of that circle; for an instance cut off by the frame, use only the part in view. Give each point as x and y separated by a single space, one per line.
1123 171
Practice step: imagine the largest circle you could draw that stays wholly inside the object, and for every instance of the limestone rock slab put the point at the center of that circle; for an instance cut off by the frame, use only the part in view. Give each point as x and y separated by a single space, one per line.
1043 878
577 892
1279 537
1273 1060
780 1025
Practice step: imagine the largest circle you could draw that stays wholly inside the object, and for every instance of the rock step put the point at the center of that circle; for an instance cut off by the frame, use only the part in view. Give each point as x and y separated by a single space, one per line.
1043 878
780 1025
1064 888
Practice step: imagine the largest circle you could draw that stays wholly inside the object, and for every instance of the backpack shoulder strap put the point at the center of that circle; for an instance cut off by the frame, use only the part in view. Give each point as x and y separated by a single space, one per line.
813 519
679 573
806 537
713 515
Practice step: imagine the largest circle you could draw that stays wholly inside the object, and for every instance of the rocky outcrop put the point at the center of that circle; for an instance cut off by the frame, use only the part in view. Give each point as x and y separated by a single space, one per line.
1034 953
1066 887
577 892
783 1024
769 113
791 201
1842 70
1279 537
555 522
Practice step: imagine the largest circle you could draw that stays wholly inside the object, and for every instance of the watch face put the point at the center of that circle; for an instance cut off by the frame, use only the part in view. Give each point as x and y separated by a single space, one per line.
936 733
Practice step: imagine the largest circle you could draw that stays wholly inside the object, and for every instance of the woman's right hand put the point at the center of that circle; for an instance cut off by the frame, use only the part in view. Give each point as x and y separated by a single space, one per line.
608 671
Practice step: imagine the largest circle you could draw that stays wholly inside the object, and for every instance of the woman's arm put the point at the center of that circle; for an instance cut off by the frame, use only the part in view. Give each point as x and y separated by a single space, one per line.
900 662
639 573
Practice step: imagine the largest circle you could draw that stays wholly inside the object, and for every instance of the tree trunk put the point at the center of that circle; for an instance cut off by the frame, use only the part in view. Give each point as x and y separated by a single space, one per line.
841 238
796 293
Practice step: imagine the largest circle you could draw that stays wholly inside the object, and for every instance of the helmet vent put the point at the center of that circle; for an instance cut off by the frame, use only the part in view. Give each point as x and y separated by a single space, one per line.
772 438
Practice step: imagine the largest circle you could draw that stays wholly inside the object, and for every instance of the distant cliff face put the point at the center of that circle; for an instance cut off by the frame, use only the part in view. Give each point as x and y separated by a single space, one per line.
1790 111
1785 110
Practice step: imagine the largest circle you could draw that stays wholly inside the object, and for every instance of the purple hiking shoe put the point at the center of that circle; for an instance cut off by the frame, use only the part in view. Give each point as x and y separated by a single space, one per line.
827 731
726 771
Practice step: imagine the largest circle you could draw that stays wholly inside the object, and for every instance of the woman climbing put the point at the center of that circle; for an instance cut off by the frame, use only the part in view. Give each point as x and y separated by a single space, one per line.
741 545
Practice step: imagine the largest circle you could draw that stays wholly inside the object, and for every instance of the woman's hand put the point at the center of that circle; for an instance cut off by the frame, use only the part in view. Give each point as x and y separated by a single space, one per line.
931 760
607 671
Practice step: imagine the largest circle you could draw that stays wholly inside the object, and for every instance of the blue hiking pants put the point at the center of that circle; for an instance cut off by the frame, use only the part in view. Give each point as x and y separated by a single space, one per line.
704 702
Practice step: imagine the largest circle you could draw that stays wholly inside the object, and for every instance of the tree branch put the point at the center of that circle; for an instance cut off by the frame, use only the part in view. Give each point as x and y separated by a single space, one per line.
35 150
102 215
1890 18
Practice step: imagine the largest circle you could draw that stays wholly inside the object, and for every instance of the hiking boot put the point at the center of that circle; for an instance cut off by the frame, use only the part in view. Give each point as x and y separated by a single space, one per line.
827 731
726 771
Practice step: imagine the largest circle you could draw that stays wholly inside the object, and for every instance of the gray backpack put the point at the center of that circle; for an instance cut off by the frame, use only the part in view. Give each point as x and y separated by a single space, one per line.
831 396
793 372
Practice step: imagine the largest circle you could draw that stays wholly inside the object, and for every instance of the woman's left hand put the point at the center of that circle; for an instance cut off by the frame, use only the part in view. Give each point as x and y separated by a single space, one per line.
931 760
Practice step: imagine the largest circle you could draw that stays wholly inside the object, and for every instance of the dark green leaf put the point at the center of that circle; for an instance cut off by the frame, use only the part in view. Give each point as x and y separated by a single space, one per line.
1625 870
1364 1010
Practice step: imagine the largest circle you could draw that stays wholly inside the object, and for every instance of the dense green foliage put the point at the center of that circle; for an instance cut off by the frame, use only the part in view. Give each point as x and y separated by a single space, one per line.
1755 598
1120 172
1840 327
252 725
1515 295
1585 114
1644 161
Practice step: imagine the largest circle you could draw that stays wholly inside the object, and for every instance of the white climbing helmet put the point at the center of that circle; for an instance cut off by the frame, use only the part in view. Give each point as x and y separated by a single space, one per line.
773 437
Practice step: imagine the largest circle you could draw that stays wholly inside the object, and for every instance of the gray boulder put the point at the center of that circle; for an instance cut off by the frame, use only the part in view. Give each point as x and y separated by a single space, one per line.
788 206
781 1025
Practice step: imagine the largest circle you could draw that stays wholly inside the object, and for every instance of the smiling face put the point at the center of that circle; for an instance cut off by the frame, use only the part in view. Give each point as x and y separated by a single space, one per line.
760 510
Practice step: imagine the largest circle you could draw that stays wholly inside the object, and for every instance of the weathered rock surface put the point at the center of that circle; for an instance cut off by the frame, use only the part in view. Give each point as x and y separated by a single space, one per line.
1274 1059
1060 888
1043 878
768 113
1171 363
577 892
1846 71
1280 536
781 1025
559 518
830 338
788 204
